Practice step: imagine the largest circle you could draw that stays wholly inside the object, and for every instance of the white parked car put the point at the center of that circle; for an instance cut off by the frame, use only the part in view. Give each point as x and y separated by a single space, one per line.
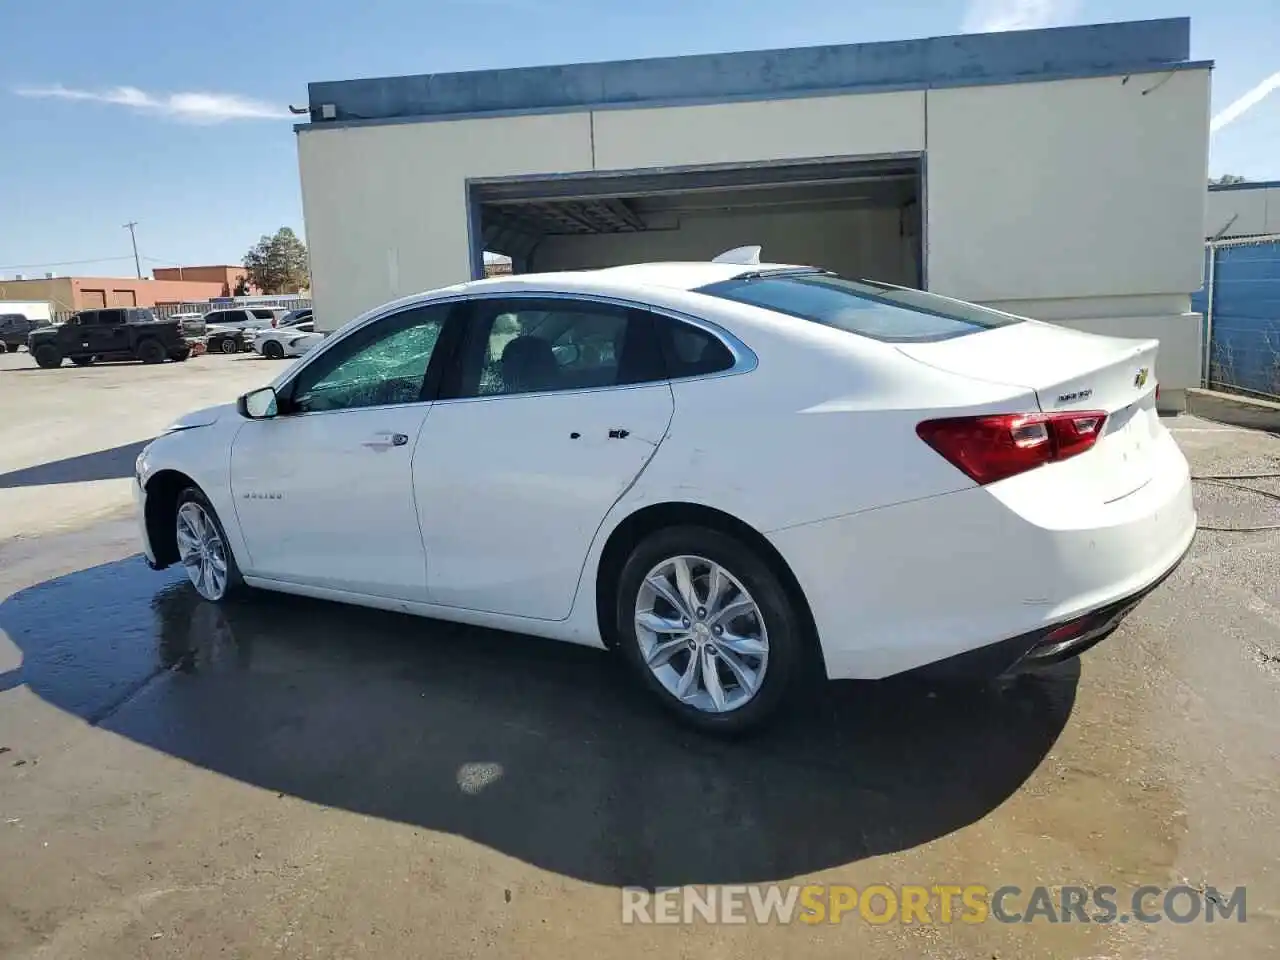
729 472
276 344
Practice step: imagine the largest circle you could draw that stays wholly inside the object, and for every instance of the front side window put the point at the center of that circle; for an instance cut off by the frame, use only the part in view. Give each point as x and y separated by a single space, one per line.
383 363
876 310
529 345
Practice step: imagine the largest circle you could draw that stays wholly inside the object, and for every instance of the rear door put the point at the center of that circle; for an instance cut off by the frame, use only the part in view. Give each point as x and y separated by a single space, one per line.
557 407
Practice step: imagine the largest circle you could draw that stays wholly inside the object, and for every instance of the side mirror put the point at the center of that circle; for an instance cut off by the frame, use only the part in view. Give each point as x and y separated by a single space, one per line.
258 404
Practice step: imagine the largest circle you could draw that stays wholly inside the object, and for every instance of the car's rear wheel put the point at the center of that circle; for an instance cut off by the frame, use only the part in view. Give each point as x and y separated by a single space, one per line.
272 350
228 345
48 356
706 625
151 351
203 548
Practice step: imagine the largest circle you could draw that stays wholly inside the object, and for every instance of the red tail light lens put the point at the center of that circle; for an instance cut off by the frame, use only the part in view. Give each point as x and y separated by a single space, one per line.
995 447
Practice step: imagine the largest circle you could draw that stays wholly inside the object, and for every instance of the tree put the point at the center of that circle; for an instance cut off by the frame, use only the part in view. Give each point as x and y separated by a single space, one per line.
1225 179
278 264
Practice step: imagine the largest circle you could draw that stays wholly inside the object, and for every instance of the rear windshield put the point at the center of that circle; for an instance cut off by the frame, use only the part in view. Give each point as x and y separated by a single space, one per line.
876 310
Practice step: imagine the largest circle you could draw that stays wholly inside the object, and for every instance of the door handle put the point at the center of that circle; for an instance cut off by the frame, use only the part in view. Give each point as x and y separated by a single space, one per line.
385 440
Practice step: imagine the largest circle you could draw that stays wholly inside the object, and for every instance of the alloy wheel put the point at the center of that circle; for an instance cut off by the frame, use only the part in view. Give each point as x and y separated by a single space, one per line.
202 551
701 634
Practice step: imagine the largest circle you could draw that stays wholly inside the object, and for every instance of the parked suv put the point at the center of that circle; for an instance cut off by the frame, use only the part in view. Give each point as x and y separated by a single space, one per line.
124 333
14 330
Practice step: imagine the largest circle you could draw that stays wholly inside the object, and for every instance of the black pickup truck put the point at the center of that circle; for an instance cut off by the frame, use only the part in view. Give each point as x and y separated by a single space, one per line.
123 333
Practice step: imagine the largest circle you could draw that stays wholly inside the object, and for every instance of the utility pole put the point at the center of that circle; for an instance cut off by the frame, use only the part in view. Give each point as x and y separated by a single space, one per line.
137 264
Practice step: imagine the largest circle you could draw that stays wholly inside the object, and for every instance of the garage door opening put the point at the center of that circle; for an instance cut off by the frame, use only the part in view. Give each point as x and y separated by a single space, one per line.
859 218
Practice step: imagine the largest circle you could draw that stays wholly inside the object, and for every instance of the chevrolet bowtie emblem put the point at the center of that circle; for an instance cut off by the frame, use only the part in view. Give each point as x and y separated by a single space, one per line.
1140 380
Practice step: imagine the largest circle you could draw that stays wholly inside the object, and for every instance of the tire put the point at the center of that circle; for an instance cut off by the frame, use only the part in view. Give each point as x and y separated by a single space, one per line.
4 347
83 361
229 345
272 350
195 548
48 356
151 351
742 569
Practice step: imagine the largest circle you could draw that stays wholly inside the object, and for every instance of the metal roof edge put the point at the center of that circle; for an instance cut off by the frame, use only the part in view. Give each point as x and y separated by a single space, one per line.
1246 185
747 98
964 60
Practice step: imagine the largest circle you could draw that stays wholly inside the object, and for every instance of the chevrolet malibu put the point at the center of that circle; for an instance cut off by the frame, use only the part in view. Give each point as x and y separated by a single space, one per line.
733 474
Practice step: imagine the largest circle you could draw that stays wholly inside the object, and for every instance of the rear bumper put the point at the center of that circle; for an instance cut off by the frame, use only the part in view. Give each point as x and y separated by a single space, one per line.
1042 647
922 583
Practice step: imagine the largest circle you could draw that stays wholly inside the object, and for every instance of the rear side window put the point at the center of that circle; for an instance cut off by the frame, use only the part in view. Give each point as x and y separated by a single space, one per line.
869 309
262 313
689 351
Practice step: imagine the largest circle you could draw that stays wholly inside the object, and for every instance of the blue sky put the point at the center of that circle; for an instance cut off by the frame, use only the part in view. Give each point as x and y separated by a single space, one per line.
174 114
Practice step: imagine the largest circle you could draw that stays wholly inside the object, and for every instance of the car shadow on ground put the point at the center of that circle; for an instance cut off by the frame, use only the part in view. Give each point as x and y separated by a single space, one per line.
112 464
540 750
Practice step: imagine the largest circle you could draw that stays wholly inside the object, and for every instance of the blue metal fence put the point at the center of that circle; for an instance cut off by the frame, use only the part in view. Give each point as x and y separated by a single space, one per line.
1240 302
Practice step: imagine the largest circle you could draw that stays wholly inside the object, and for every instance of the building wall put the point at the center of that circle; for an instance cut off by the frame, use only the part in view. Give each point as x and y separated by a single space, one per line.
82 293
858 243
226 275
56 291
1083 192
386 206
1242 210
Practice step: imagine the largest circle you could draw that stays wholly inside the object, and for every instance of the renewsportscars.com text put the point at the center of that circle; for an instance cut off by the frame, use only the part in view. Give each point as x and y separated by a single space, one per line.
930 905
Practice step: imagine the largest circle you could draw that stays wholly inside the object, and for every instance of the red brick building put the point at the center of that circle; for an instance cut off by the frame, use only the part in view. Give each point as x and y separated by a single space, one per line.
226 275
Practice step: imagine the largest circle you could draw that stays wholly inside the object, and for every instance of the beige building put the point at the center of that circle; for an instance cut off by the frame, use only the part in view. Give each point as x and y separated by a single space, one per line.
1057 173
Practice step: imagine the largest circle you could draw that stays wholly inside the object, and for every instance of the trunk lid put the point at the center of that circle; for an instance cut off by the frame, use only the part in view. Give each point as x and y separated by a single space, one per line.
1069 370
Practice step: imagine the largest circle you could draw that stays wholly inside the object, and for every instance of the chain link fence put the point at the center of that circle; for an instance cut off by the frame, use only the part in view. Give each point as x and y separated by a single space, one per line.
1240 303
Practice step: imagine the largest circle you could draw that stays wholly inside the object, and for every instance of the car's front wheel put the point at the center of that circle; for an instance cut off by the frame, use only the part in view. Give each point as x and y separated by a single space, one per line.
203 548
272 350
707 626
48 356
228 345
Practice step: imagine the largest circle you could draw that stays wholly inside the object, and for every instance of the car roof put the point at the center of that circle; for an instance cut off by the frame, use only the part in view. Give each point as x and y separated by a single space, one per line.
675 275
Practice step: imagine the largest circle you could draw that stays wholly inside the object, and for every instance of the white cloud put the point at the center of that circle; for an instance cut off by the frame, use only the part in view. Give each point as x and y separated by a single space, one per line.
1245 103
189 107
996 16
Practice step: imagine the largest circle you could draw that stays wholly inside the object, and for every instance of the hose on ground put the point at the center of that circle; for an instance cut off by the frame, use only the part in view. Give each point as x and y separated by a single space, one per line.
1230 480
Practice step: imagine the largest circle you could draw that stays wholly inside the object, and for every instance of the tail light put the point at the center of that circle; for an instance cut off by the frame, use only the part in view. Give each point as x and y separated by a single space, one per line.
991 448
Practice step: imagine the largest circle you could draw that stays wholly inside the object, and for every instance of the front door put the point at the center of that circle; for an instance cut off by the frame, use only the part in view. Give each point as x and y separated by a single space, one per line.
105 332
558 407
324 491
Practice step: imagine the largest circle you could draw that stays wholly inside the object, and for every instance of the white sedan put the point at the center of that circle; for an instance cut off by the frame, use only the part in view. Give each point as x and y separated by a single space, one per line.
286 341
734 474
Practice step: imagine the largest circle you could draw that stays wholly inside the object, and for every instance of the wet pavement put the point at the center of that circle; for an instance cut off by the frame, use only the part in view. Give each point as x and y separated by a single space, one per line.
283 777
